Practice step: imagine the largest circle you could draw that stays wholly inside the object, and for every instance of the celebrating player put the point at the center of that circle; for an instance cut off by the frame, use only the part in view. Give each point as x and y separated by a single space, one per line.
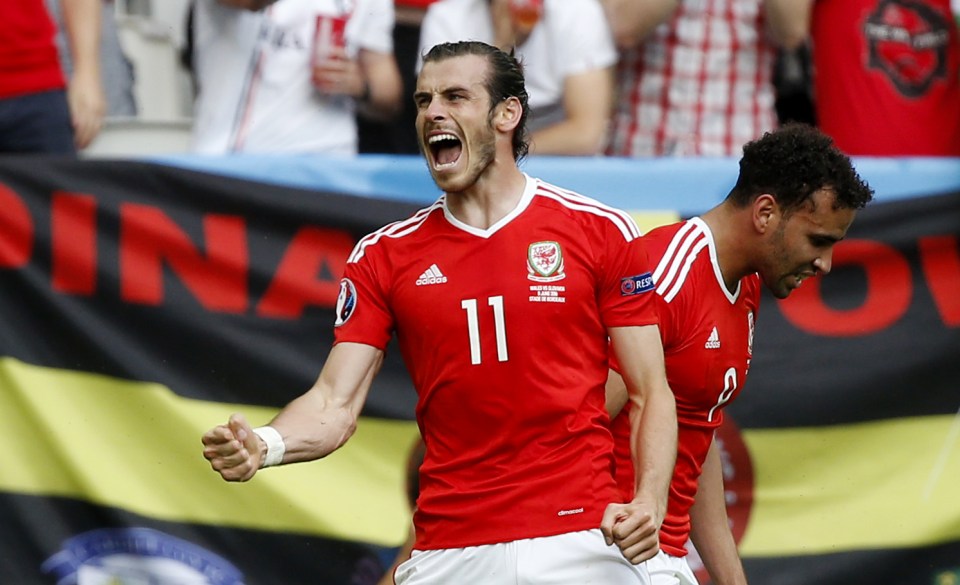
795 198
502 295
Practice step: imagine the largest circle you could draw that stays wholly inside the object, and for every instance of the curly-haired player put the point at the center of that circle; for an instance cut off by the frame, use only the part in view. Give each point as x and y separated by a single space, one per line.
795 198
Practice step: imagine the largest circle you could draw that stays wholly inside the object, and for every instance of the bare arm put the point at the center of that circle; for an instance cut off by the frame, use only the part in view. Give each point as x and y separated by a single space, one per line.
252 5
617 396
632 20
372 79
312 425
788 21
709 527
382 76
653 418
587 104
653 422
85 95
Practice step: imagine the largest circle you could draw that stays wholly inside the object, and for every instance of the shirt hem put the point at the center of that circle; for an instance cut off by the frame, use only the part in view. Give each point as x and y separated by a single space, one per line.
442 545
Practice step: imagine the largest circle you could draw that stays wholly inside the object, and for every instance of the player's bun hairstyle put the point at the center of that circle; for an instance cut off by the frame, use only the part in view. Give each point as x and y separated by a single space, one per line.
505 81
792 163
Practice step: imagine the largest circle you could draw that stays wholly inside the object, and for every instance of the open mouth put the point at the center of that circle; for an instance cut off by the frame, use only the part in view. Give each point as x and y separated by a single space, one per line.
445 150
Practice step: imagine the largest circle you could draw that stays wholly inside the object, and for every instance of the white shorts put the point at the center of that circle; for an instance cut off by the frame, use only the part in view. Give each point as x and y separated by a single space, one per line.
575 557
670 570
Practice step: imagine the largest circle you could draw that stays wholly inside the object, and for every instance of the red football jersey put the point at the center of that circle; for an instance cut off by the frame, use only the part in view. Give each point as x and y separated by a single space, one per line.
707 335
504 333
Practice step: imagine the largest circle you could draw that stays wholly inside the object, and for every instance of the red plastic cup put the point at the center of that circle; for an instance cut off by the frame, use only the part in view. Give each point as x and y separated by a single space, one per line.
328 34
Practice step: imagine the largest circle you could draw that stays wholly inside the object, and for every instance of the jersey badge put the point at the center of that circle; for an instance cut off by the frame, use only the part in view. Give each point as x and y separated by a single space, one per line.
346 301
750 333
634 285
713 342
545 262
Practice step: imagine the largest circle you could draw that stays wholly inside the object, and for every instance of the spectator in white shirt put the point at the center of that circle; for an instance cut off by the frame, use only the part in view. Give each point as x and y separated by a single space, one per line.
568 58
259 88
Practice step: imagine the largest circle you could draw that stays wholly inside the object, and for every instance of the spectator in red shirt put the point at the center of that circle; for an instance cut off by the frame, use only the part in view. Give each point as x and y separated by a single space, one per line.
886 75
39 111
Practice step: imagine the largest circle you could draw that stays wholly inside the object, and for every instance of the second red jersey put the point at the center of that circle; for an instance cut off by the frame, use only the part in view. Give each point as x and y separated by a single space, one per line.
707 334
504 334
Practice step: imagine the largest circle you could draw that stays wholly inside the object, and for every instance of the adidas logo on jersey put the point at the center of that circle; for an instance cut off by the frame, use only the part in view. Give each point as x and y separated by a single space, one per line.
713 342
431 275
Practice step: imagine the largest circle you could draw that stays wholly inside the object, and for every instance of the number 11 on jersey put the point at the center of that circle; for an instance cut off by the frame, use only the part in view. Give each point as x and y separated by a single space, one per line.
473 328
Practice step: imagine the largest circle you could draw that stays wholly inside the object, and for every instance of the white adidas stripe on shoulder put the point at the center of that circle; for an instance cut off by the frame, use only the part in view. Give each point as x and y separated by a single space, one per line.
623 220
674 266
397 229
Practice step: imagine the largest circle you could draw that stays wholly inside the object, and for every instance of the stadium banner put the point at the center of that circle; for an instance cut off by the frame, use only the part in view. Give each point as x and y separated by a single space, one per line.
145 301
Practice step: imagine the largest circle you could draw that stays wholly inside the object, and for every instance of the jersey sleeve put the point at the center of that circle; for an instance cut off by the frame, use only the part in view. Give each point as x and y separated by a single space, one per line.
587 41
435 28
627 291
375 25
363 314
670 316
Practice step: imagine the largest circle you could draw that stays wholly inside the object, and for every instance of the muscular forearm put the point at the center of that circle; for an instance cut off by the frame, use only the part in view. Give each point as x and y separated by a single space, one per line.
709 526
635 526
321 420
653 416
312 429
653 423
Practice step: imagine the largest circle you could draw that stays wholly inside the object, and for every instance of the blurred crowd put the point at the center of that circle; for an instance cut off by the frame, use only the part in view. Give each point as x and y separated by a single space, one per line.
605 77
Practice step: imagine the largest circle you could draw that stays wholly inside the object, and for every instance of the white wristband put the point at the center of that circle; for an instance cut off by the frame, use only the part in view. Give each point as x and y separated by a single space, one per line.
275 446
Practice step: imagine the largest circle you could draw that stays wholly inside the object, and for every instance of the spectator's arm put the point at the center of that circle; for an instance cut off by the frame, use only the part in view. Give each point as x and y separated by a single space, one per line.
587 103
251 5
85 95
372 79
788 21
504 34
383 94
632 20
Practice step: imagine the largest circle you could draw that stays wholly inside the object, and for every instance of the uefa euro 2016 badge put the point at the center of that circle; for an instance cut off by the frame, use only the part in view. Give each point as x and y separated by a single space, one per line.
545 262
346 301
